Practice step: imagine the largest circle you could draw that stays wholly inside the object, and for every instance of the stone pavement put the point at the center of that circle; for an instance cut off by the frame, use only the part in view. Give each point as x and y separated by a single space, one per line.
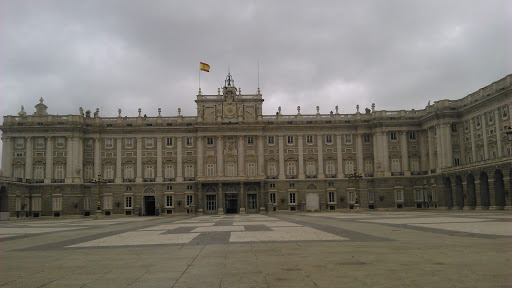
367 249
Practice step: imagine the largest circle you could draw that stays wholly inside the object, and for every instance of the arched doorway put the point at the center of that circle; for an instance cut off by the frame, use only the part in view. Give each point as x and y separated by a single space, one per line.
211 200
499 190
484 191
312 199
448 192
459 193
252 199
470 191
4 204
149 202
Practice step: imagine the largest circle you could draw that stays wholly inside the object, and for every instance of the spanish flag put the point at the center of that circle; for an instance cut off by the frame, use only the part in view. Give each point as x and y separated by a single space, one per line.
204 67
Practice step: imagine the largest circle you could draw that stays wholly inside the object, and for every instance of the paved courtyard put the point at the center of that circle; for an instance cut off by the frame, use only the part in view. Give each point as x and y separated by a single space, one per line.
367 249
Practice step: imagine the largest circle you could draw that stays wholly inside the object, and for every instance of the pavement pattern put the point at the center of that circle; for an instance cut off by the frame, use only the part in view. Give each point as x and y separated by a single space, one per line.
430 248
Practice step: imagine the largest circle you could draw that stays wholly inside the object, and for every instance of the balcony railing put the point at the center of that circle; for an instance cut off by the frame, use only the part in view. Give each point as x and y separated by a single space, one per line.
109 180
291 177
148 179
169 179
397 173
57 180
368 174
190 179
38 181
330 176
128 180
311 176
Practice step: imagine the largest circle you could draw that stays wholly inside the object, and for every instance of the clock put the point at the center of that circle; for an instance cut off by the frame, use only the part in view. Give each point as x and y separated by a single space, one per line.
229 110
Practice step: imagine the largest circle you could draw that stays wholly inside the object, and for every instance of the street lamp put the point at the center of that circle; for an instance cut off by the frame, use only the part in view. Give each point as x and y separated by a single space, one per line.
99 181
354 176
509 133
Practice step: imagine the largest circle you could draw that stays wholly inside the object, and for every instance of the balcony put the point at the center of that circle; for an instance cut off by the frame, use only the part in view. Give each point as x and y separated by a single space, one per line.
311 176
419 172
397 173
87 180
189 179
38 181
169 179
271 177
57 180
433 171
148 180
18 179
291 176
109 180
128 180
330 176
368 174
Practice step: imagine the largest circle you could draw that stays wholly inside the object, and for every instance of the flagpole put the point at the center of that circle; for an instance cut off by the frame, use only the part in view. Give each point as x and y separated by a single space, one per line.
199 77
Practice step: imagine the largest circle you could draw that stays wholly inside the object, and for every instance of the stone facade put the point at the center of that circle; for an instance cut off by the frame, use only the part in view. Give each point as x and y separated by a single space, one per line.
230 158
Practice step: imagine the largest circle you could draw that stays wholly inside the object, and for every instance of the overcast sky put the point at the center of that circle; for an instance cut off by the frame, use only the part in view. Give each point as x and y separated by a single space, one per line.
131 54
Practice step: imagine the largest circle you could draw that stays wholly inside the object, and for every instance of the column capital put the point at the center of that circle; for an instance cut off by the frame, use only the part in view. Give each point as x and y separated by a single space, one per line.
28 137
219 137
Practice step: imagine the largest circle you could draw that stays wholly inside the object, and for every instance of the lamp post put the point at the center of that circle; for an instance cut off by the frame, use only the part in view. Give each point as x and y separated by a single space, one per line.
509 133
99 181
354 176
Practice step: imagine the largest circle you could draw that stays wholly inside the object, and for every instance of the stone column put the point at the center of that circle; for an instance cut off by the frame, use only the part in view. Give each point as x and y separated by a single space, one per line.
499 146
159 177
431 159
320 157
423 151
484 135
119 155
97 157
462 146
241 156
29 160
359 154
385 154
448 149
200 166
49 160
301 157
261 157
69 161
242 199
440 149
220 157
376 154
339 156
405 153
179 158
7 156
473 146
78 159
138 177
220 200
281 158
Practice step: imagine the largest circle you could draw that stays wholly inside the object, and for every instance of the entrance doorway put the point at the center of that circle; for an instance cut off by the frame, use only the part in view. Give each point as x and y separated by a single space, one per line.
149 205
231 202
312 202
252 203
211 204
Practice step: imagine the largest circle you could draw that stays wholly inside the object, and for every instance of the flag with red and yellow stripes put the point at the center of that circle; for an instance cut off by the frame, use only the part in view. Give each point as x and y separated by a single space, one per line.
204 67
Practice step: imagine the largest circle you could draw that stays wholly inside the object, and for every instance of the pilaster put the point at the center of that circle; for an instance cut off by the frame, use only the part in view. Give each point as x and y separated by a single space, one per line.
359 154
220 200
473 145
200 157
69 161
97 157
7 156
484 135
497 120
29 160
49 160
220 157
179 159
159 177
119 176
261 157
241 156
339 156
301 157
405 153
320 157
281 158
138 176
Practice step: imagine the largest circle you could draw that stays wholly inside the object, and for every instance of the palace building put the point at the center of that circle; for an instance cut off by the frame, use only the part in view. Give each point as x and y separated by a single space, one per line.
230 158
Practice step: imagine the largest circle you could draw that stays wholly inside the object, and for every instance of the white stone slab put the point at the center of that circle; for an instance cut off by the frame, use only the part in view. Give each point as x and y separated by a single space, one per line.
10 235
219 229
426 220
284 234
489 228
139 238
174 226
269 224
34 230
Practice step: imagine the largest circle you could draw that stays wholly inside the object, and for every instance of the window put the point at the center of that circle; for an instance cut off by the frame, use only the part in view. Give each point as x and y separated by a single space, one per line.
504 112
332 197
168 201
399 195
309 139
128 172
368 166
189 141
272 185
392 135
456 161
466 127
371 197
149 142
88 144
270 140
128 202
290 169
348 139
349 167
291 197
128 142
19 154
168 142
367 138
415 164
328 139
60 142
478 122
310 169
330 168
39 172
491 118
251 169
59 172
418 195
149 172
169 171
351 197
291 185
290 139
272 197
88 172
395 165
18 173
210 170
509 151
209 141
39 142
20 142
109 172
272 171
128 188
109 143
250 140
454 127
469 159
190 200
330 184
412 135
231 170
189 170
